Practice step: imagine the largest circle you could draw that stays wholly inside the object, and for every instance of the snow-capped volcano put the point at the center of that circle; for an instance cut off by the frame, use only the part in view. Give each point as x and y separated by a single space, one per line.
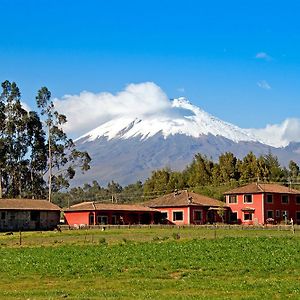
181 118
128 148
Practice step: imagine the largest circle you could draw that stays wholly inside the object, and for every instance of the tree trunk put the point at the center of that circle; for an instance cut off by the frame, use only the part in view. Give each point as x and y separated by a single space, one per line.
50 164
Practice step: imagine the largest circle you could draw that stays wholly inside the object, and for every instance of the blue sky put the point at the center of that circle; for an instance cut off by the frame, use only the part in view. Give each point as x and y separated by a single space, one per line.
238 60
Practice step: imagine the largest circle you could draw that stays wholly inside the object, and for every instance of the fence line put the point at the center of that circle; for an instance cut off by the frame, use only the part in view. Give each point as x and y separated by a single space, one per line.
163 226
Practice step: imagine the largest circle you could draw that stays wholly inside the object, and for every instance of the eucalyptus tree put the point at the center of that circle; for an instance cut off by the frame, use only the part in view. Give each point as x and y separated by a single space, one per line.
14 140
63 157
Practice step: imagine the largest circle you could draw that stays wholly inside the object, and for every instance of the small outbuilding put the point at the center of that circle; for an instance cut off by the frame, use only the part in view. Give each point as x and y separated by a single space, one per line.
28 214
184 208
93 213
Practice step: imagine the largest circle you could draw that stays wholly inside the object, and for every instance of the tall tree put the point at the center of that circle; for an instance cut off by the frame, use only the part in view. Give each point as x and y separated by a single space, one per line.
14 135
63 158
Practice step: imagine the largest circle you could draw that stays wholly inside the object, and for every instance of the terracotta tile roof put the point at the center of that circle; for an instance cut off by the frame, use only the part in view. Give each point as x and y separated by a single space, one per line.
255 188
91 206
27 204
183 198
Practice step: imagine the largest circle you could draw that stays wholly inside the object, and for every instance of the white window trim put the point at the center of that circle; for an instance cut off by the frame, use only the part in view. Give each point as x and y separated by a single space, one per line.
198 210
267 199
296 199
165 212
287 198
251 199
247 213
233 203
297 211
174 211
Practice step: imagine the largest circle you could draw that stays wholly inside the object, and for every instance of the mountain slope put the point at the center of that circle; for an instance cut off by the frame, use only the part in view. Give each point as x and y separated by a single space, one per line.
181 118
127 149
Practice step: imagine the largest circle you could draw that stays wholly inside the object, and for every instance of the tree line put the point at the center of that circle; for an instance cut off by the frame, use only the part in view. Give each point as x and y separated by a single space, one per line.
202 175
36 156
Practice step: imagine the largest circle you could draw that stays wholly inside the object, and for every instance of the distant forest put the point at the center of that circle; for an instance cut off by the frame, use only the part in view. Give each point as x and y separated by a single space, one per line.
201 176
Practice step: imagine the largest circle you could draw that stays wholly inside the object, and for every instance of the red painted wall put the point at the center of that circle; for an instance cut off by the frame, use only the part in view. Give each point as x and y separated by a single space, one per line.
291 207
257 205
261 208
78 218
170 211
189 215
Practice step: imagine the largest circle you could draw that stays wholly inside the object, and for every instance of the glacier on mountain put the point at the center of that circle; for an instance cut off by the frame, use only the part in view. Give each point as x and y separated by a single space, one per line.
181 118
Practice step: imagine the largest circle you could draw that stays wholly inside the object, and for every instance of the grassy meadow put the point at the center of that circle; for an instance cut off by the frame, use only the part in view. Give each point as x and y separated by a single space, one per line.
151 263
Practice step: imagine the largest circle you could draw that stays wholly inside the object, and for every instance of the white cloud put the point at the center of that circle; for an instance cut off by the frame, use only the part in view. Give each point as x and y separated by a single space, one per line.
263 56
263 84
279 135
89 110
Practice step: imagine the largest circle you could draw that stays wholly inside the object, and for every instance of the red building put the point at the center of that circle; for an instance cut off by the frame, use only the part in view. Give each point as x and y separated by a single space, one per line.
93 213
184 208
263 203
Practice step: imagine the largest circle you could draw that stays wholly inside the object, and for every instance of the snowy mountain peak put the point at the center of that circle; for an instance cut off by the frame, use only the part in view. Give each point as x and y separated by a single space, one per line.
180 118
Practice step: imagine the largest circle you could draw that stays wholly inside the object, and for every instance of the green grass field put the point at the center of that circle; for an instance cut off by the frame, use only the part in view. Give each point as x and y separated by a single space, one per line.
144 263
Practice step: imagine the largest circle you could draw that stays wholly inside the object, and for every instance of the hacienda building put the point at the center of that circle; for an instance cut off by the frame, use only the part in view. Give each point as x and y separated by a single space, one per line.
185 208
262 203
93 213
28 214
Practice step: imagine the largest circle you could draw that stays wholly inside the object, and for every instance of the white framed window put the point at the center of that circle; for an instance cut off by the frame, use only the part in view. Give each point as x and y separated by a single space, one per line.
197 215
285 199
269 198
164 215
178 215
232 199
298 216
248 198
298 199
248 216
270 214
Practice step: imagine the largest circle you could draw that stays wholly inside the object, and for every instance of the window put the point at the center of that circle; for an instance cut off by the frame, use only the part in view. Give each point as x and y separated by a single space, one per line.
277 213
284 199
177 215
298 216
270 214
233 217
269 198
248 198
34 215
3 215
232 199
164 215
198 215
248 216
102 220
298 199
12 216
